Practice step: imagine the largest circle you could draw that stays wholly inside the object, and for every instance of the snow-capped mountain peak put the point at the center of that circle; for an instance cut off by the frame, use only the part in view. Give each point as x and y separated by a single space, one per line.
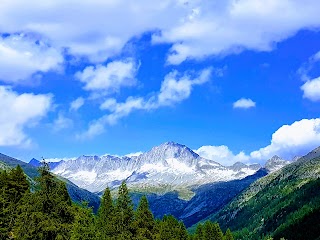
275 163
170 164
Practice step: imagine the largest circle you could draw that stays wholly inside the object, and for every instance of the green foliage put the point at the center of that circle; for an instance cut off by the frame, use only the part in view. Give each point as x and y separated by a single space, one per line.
171 228
278 204
13 186
228 235
124 212
48 212
83 227
144 222
106 217
210 231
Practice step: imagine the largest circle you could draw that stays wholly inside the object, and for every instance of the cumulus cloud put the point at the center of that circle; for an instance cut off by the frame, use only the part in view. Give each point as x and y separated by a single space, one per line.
287 142
22 56
292 140
196 29
175 88
224 27
311 89
221 154
18 112
244 103
109 78
76 104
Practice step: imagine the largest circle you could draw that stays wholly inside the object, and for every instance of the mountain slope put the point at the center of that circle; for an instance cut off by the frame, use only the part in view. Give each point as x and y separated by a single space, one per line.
278 202
77 194
207 199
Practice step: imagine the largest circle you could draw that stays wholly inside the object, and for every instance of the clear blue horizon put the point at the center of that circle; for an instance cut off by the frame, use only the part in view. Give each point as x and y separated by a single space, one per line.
234 81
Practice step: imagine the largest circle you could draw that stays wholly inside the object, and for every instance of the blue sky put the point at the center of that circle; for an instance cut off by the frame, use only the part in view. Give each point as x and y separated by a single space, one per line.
233 80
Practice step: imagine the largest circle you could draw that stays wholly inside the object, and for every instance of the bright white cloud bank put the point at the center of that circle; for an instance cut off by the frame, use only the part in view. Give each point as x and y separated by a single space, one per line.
287 142
99 29
244 103
18 112
22 56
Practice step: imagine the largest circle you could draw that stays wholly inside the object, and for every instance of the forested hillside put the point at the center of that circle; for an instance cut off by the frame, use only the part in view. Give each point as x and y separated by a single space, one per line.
285 204
48 213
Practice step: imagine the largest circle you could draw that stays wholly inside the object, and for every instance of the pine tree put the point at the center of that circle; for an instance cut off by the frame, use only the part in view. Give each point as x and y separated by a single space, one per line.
144 222
171 228
228 235
106 216
48 211
124 212
212 231
13 186
199 235
83 227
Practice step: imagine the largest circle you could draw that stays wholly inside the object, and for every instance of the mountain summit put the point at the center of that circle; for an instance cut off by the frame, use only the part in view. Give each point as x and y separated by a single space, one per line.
275 163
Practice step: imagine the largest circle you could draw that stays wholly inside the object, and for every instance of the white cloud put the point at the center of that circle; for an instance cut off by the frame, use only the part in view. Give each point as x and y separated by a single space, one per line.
21 57
18 112
59 159
292 140
224 27
62 123
99 29
174 89
311 89
244 103
135 154
109 78
316 57
95 128
221 154
76 104
287 142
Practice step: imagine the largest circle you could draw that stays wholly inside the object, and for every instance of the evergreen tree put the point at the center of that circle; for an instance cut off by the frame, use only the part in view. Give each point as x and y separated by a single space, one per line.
228 235
106 216
13 186
144 222
83 227
124 212
212 231
48 211
171 228
199 235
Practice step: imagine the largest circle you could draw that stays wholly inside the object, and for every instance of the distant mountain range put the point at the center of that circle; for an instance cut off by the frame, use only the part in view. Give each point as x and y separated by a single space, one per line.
165 168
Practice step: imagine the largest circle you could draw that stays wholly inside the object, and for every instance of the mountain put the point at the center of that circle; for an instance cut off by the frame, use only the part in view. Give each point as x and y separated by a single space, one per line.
275 163
285 203
165 168
36 163
77 194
